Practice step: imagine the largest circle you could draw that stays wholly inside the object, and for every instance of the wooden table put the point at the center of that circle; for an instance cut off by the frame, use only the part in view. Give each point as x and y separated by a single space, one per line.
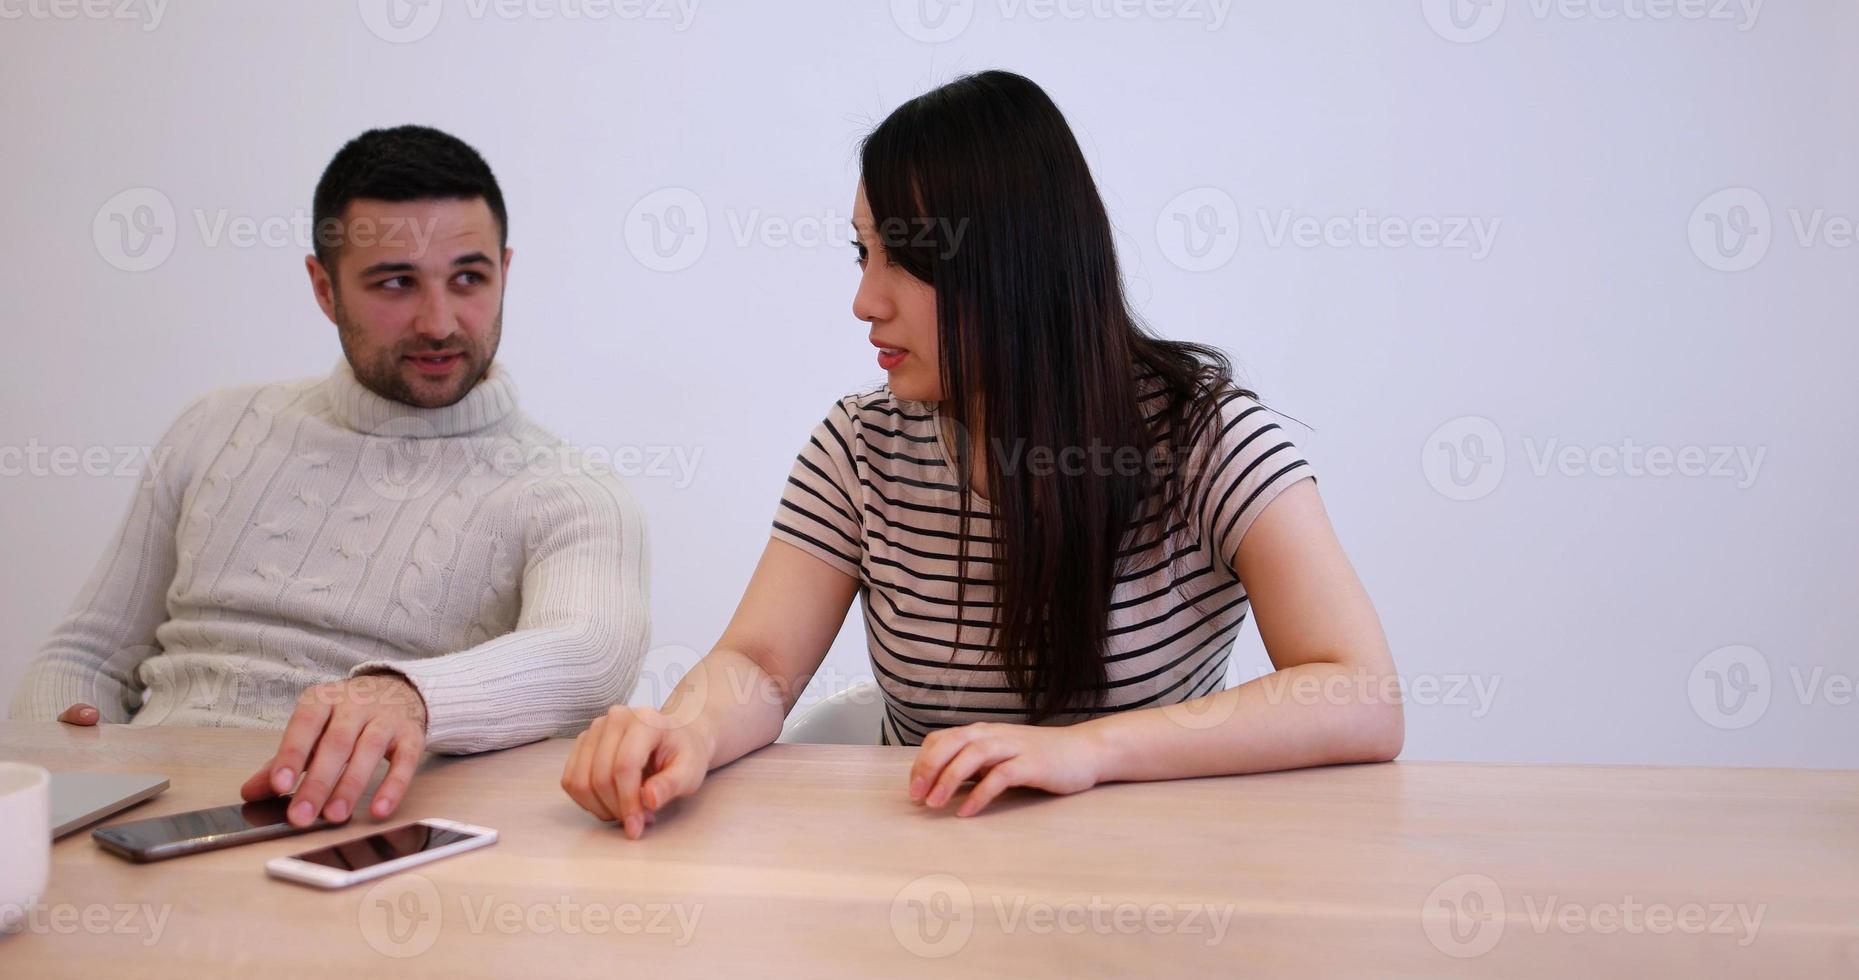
810 861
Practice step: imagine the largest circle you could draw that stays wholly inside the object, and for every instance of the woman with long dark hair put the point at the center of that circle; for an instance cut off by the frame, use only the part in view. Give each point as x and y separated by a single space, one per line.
1057 521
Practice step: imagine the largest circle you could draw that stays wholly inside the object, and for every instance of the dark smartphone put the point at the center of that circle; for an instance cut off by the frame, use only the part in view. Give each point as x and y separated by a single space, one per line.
160 838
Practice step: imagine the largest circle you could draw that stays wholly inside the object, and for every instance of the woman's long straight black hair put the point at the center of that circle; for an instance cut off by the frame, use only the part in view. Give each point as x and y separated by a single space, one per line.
979 189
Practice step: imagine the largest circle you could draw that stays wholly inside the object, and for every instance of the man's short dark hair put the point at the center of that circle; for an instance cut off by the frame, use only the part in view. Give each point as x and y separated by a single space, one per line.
405 163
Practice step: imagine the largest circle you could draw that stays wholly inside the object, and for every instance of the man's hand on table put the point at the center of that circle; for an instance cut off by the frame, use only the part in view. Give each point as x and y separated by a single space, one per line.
338 735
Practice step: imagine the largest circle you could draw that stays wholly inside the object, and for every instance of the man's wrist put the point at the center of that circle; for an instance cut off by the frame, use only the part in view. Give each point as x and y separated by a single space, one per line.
412 700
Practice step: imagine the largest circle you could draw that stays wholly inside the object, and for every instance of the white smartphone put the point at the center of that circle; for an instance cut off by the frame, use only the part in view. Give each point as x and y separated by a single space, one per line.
378 855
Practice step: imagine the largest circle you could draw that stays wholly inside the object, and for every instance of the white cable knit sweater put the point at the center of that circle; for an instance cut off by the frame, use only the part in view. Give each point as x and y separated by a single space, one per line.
296 533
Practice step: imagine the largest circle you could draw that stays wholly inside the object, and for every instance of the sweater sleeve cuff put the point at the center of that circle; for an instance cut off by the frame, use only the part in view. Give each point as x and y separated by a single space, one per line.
448 729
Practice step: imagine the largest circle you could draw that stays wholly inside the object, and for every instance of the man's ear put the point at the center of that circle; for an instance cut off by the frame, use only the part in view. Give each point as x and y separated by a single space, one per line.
323 284
508 254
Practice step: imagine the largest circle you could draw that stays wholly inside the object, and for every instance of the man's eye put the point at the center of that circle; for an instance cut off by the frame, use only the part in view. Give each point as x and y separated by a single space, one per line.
397 282
469 278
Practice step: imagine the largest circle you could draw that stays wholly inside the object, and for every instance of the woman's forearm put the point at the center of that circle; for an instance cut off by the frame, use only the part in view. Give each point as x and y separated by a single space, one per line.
735 705
1313 714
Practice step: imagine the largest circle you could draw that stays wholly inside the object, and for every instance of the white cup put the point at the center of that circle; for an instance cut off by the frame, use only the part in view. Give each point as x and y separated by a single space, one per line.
25 839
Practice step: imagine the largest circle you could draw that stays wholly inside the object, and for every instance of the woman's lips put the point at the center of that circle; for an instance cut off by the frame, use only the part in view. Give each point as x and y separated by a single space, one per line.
890 357
437 364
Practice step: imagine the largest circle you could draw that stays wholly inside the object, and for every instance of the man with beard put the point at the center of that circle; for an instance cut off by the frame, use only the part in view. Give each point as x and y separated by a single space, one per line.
387 560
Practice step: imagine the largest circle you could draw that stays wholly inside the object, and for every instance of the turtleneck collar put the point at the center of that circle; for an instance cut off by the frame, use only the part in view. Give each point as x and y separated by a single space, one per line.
489 402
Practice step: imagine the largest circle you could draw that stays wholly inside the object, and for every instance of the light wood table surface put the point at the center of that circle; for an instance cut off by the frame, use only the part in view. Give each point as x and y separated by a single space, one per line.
810 861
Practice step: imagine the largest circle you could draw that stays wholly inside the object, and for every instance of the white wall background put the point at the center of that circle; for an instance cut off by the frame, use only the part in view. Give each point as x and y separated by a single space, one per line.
1559 614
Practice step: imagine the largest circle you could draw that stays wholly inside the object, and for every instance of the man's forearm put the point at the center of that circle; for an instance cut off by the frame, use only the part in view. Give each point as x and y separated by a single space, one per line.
579 639
524 686
61 677
93 655
85 661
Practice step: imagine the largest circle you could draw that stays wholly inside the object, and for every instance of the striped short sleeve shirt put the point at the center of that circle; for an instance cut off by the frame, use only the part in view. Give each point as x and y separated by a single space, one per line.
872 495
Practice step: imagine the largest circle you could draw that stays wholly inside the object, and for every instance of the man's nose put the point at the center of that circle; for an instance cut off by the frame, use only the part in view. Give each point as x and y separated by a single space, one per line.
435 320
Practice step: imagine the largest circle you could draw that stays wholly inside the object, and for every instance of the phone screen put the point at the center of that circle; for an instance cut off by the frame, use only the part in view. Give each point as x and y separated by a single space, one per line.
206 827
388 845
